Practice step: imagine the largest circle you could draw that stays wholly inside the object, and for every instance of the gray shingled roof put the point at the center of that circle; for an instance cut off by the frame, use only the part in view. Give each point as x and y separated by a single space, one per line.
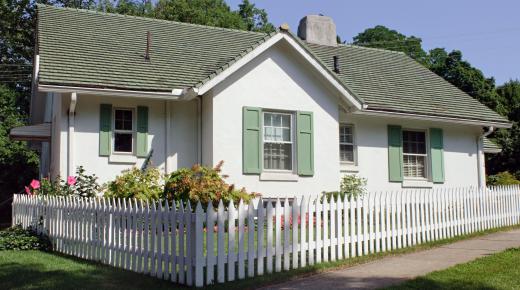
92 49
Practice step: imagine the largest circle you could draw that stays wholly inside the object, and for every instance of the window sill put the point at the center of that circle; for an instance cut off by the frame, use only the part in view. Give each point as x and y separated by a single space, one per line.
122 159
417 184
348 167
278 176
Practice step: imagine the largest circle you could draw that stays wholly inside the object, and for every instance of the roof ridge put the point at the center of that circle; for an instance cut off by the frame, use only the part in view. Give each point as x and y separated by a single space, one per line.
148 19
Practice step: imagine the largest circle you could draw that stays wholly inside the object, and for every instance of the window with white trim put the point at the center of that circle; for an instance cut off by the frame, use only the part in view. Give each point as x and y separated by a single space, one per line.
124 131
415 157
346 143
278 141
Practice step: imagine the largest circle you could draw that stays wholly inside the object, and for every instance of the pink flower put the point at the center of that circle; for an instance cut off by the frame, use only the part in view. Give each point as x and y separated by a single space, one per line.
27 190
35 184
71 180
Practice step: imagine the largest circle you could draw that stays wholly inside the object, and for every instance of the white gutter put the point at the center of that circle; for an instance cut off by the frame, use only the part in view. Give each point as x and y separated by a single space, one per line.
433 118
174 94
70 149
481 163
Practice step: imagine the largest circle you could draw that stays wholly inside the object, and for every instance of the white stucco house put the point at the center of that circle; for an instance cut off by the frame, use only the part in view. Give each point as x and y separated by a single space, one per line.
288 114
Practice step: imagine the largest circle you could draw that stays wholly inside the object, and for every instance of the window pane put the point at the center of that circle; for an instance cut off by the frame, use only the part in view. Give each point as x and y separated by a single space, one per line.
345 134
414 142
414 166
277 134
268 134
347 153
123 120
277 156
277 127
123 142
286 121
267 120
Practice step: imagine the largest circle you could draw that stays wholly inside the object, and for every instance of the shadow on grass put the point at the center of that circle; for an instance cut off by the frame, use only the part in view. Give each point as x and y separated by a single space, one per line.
60 272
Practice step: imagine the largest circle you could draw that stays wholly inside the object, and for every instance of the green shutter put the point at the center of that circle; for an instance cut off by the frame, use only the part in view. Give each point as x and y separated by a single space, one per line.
142 132
437 155
105 129
395 154
305 143
252 140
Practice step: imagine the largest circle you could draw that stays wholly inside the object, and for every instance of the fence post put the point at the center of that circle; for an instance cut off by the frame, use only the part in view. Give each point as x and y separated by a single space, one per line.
198 249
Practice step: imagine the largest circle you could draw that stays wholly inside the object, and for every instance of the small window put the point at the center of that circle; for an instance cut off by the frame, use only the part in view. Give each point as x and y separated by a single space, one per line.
278 141
414 154
123 131
346 143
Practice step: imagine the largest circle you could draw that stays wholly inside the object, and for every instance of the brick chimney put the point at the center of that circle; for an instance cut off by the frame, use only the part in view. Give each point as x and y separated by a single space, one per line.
318 29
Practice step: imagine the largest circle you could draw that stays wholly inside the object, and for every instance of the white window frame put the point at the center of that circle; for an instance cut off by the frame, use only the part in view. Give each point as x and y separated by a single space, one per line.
292 127
425 155
353 144
133 131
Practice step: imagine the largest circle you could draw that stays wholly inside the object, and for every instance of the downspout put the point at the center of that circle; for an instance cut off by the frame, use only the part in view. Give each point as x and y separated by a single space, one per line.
70 149
199 129
481 166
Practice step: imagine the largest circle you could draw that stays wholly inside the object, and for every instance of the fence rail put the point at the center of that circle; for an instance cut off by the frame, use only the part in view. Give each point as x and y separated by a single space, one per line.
198 247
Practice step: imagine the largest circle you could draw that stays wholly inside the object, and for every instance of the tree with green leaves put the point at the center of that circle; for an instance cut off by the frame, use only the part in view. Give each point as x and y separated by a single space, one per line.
385 38
18 164
255 18
508 139
463 75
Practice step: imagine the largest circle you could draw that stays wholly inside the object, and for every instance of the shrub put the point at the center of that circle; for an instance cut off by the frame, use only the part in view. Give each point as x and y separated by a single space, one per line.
502 178
351 186
83 184
203 184
80 185
134 183
17 238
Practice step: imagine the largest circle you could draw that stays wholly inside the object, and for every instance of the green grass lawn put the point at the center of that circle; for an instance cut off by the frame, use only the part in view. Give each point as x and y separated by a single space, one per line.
40 270
499 271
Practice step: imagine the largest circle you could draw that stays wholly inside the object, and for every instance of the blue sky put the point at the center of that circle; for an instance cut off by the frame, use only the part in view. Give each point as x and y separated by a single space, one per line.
487 32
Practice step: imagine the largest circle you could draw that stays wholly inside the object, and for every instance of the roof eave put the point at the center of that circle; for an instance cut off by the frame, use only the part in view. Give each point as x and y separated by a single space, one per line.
444 119
173 94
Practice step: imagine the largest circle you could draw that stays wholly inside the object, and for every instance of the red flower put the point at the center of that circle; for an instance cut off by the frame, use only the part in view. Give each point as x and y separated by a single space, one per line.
35 184
71 180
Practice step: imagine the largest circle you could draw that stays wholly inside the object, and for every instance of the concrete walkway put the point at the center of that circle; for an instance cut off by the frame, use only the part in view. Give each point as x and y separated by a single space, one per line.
393 270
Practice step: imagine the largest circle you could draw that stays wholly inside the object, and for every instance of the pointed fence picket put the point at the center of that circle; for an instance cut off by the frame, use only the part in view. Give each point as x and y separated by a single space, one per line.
190 245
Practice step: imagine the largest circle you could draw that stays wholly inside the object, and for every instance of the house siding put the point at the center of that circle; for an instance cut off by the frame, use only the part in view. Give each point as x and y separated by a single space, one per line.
460 151
280 81
183 142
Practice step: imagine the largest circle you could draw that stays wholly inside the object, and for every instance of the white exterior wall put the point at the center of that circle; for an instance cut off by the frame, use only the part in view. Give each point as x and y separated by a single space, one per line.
183 143
371 138
277 80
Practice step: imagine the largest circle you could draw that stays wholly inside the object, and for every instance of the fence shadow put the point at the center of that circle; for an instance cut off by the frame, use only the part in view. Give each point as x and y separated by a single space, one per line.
51 274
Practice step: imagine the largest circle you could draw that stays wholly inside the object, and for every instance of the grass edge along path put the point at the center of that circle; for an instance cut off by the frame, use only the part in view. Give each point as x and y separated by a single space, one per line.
497 271
107 277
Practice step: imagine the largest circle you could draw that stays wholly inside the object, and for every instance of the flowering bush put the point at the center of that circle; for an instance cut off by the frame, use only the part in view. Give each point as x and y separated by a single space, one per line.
351 186
135 183
81 185
203 184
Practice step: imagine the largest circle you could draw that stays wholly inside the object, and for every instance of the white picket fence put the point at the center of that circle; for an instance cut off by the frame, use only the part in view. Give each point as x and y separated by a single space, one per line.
197 247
